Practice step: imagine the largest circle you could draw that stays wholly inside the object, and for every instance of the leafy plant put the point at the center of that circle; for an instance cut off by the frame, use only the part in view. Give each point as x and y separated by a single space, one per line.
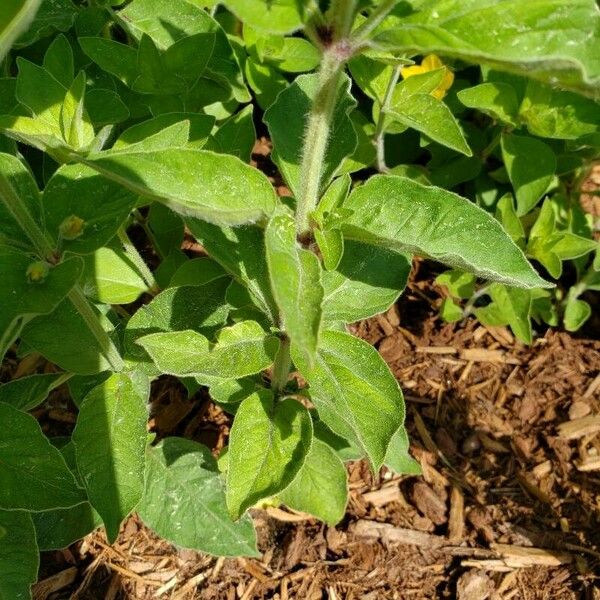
136 120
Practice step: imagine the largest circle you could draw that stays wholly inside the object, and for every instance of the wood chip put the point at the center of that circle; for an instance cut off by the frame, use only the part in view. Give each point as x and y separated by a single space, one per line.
436 349
371 530
520 556
483 355
383 496
571 430
594 385
456 522
53 584
589 464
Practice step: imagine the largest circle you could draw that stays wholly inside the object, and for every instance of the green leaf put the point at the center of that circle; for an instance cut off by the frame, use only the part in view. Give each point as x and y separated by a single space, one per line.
298 56
331 247
268 444
549 40
199 307
295 276
568 246
236 136
33 472
59 61
280 16
496 99
15 17
19 557
506 214
265 80
242 349
554 113
287 119
109 438
515 305
241 252
577 312
76 127
355 393
99 207
398 459
407 216
17 187
367 282
64 338
450 311
57 15
110 277
531 165
28 392
217 188
24 295
458 283
117 59
233 391
184 501
197 271
430 116
321 486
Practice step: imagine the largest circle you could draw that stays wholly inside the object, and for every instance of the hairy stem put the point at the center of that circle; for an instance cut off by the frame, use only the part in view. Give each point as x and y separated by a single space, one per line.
380 130
282 366
374 20
138 261
81 303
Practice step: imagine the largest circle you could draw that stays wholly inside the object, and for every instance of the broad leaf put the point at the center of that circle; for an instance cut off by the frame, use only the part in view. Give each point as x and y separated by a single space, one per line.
268 444
406 216
84 210
184 501
367 282
321 487
33 472
355 393
295 276
550 40
281 16
496 99
31 288
236 136
217 188
77 129
577 312
15 17
199 307
28 392
397 458
109 438
287 119
57 15
242 349
19 556
531 165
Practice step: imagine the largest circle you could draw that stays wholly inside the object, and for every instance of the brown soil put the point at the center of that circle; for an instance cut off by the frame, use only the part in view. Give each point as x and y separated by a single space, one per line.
508 505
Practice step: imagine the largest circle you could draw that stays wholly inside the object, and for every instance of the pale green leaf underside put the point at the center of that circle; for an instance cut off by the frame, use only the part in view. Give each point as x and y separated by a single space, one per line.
268 444
184 501
551 40
109 439
355 393
406 216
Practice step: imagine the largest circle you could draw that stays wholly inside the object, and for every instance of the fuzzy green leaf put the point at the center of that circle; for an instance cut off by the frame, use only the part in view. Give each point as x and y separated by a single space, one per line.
15 18
496 99
281 16
28 392
268 445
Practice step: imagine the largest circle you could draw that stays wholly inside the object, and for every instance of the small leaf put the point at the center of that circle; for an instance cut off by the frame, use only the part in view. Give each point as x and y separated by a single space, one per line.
76 127
506 214
398 459
331 247
406 216
19 555
367 282
268 445
458 283
321 486
287 119
496 99
26 393
241 350
217 188
194 515
33 472
531 165
109 438
577 312
515 305
450 311
283 16
295 276
355 393
59 61
236 136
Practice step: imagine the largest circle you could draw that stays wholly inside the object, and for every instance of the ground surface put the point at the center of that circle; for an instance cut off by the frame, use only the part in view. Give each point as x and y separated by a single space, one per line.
508 506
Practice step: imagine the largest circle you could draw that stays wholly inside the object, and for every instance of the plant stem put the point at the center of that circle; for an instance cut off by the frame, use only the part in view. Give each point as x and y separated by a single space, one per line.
282 366
138 261
380 130
81 303
470 305
37 236
374 20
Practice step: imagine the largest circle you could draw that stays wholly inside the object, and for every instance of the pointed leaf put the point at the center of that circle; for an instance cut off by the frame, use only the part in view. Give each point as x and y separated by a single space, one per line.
15 18
355 393
75 123
283 16
268 445
33 472
397 458
109 438
321 486
184 501
295 276
26 393
496 99
406 216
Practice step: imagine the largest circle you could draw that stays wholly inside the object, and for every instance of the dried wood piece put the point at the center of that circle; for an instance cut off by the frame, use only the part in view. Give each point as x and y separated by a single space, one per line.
485 355
594 385
571 430
436 349
384 532
429 503
383 496
53 584
520 556
456 522
589 464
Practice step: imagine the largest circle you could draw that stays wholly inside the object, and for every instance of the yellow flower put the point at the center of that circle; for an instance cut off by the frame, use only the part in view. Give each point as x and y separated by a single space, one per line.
432 63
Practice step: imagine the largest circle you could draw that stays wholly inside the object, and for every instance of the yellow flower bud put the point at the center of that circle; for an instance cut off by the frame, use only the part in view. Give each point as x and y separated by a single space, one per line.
37 271
71 228
432 63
